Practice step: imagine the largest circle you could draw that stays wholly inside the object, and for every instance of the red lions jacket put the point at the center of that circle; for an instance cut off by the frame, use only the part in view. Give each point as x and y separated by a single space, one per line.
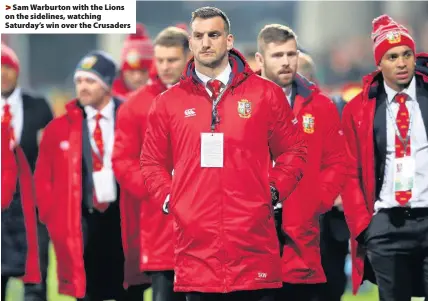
323 180
225 237
119 88
15 167
147 243
359 193
9 170
58 180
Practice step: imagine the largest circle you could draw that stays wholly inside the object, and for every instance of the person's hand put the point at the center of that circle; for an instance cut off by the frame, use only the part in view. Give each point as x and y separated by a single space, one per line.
338 203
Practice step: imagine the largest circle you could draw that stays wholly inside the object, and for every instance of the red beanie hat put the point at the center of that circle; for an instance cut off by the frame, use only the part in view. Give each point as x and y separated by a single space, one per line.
9 57
137 52
182 26
387 34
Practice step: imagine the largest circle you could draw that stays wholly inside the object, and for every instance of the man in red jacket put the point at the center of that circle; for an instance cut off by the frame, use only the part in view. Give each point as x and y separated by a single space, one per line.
136 61
147 232
77 194
23 117
386 198
324 173
221 122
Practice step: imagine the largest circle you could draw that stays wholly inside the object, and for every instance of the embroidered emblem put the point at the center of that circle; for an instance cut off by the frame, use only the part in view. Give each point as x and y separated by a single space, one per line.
308 123
189 112
64 145
88 62
133 58
393 37
244 108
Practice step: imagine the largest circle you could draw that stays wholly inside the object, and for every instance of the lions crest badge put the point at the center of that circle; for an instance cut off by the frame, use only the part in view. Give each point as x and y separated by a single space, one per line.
308 123
88 62
393 37
133 58
244 108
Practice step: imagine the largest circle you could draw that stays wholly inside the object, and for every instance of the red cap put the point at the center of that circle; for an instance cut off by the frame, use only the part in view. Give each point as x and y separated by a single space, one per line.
137 51
386 34
9 57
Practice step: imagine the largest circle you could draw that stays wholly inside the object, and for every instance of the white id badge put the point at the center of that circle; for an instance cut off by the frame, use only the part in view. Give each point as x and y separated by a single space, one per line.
105 185
404 173
212 149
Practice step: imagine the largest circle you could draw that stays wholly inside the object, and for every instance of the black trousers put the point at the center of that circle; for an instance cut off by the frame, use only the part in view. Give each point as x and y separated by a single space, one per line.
397 248
38 292
134 293
299 292
163 287
257 295
334 245
103 255
4 281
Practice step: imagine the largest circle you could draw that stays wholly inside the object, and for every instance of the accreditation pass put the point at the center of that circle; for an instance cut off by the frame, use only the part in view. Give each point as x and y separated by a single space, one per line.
212 149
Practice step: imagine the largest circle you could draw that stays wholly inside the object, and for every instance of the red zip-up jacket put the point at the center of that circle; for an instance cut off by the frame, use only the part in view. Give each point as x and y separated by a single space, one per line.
224 232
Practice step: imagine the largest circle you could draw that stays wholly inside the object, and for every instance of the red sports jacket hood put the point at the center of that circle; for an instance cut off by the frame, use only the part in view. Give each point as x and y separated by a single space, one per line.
240 70
372 80
304 87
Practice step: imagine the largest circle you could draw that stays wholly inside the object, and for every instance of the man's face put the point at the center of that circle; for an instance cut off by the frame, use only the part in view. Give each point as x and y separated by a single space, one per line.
398 67
89 91
9 78
209 41
135 78
279 62
170 63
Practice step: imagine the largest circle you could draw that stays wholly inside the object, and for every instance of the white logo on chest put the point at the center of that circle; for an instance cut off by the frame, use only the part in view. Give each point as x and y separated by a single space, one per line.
189 112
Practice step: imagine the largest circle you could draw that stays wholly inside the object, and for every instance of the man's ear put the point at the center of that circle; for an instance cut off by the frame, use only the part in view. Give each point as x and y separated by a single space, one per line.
230 40
259 59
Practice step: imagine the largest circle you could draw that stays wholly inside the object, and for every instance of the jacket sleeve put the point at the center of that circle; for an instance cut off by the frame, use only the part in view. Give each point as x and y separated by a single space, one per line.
43 174
126 153
333 158
156 150
354 205
287 145
9 171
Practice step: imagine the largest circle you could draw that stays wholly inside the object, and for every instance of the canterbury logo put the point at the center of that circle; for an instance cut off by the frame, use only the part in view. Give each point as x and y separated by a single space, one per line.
189 112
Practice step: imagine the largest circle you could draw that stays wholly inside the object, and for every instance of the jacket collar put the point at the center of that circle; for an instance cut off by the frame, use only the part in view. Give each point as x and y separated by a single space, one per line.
76 111
240 70
372 81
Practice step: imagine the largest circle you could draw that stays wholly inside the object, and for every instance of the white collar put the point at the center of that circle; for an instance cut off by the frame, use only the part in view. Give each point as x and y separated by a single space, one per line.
288 93
410 91
223 76
107 112
14 98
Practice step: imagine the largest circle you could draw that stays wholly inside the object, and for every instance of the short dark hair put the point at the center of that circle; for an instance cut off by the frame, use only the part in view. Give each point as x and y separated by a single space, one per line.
274 33
209 12
173 37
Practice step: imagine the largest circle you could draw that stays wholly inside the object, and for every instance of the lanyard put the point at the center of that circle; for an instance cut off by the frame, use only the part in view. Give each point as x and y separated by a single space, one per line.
405 140
214 113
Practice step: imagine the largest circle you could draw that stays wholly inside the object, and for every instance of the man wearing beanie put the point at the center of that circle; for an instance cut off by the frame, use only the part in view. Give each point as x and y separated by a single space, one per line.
23 118
386 198
151 242
77 193
136 61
